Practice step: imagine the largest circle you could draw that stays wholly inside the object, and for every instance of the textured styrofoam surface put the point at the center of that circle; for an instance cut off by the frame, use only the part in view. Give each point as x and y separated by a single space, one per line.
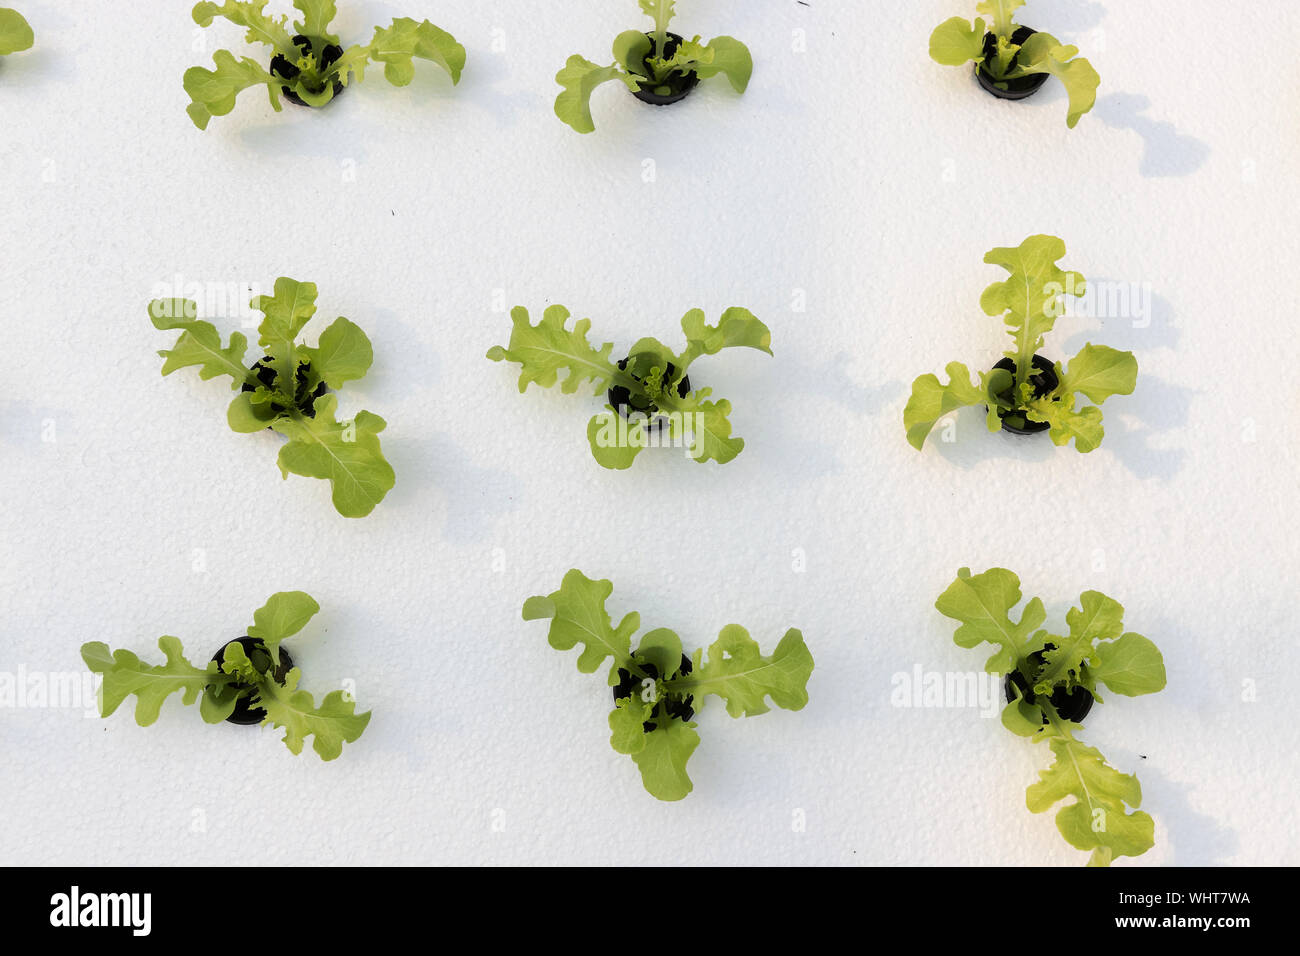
856 175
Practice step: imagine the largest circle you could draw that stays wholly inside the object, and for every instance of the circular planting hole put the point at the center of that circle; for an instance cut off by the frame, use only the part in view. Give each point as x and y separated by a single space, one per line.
245 713
675 86
1016 89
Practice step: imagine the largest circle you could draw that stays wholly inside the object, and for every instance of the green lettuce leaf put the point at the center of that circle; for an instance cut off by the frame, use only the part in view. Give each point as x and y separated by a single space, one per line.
1097 618
317 15
662 12
405 41
199 344
706 425
331 725
1043 53
1029 300
737 671
1082 426
346 454
579 79
736 328
728 56
662 759
627 725
15 33
284 615
544 349
261 28
125 674
578 616
1130 665
957 41
631 47
213 92
1098 819
931 400
1099 372
982 603
1002 13
344 353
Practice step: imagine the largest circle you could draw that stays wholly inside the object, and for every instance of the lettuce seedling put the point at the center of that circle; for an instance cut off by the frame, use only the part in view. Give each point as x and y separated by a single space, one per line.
659 67
308 67
250 680
1013 61
657 688
1026 393
1051 682
648 390
15 34
287 390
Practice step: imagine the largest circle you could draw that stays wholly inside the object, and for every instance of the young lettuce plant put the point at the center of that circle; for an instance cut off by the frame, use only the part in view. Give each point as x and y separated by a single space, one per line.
659 67
1051 681
648 391
1013 62
657 687
308 67
250 680
288 389
15 34
1024 392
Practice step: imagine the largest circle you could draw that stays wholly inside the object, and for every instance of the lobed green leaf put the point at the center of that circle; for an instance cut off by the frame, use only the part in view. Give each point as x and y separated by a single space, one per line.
317 15
1029 299
346 454
250 15
330 726
405 40
578 616
213 92
199 344
931 400
982 603
1002 14
125 674
737 671
1098 819
544 349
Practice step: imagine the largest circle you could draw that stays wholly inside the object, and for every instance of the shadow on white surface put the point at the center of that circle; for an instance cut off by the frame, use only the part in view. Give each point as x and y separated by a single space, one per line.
1166 152
1196 839
475 498
1154 407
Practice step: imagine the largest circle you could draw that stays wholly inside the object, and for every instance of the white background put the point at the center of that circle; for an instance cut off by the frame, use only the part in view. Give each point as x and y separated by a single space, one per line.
856 172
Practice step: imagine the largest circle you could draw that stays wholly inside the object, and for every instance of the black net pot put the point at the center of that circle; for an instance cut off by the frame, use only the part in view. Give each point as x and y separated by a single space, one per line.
1072 704
1018 88
675 86
264 371
625 403
1044 382
670 705
246 714
327 54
